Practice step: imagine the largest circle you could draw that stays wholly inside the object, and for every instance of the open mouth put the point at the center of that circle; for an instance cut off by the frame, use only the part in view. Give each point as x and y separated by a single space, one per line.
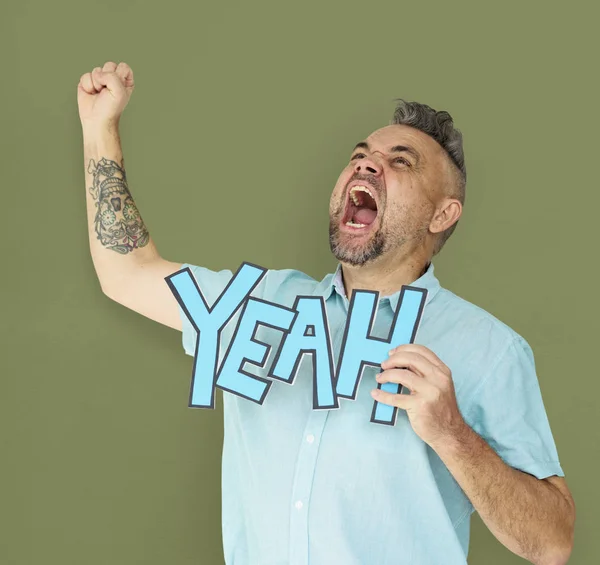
361 208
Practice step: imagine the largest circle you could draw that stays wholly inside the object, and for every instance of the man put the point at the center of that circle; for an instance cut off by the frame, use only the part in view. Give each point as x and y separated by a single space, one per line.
329 486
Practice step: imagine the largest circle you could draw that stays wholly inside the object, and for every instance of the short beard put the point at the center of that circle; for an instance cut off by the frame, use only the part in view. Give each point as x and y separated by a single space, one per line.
356 257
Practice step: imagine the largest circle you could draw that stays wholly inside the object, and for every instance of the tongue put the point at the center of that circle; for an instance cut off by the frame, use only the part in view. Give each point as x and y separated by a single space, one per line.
365 216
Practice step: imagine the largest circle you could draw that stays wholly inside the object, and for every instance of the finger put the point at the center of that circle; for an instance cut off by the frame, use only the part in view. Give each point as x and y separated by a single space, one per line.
126 74
413 361
404 377
109 66
419 365
422 350
108 79
86 83
403 401
94 74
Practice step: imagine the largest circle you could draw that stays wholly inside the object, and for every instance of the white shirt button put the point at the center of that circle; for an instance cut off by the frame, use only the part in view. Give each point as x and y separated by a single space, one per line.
298 504
310 438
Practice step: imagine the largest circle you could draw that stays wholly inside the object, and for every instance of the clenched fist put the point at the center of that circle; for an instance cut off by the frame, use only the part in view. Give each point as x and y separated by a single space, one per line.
103 94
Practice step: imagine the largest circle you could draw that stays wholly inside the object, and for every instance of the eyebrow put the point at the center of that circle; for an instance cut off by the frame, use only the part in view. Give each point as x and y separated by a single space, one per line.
395 149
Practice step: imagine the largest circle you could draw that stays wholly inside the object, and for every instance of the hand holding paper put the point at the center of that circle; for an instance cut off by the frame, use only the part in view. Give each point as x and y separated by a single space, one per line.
431 406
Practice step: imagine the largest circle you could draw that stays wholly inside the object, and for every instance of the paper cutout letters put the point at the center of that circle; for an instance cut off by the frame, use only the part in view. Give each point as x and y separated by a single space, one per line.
305 330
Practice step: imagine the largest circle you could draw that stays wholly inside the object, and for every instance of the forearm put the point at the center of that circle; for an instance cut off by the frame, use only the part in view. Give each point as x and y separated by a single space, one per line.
529 516
118 237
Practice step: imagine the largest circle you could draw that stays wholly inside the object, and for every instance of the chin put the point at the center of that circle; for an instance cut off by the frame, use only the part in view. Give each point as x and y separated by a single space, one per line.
350 250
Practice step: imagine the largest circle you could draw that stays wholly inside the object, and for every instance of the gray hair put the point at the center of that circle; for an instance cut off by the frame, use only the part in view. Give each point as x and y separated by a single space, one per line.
439 126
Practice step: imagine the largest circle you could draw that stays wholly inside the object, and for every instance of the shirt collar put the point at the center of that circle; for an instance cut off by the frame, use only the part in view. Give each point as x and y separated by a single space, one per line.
334 282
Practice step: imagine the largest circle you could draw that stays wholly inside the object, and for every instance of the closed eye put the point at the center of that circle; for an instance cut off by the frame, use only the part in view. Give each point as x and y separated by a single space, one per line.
396 160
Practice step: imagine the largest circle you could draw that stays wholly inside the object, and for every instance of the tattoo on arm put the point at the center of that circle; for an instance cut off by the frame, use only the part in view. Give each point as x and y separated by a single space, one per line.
118 223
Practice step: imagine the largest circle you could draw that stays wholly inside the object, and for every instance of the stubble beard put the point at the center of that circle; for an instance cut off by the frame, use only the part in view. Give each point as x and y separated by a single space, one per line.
346 252
407 232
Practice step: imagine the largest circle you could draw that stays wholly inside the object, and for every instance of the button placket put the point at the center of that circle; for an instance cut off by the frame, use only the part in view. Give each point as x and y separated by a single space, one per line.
303 479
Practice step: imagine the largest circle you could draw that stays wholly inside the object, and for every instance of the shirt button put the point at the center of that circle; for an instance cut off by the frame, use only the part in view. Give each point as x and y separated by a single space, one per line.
298 504
310 438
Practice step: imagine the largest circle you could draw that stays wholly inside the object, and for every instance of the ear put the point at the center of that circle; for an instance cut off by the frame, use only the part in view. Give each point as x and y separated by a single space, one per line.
446 215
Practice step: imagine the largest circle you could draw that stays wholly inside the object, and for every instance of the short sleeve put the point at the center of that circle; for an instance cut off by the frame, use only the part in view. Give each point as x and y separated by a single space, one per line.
508 412
211 284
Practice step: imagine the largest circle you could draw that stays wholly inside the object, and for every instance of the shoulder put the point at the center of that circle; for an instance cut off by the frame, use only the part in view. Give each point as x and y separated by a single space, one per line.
470 317
478 346
469 323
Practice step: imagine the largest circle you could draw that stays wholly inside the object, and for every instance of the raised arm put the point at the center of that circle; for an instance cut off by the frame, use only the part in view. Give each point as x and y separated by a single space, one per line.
129 267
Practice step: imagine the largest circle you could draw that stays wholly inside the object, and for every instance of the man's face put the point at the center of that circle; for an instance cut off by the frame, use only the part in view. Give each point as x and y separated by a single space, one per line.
386 197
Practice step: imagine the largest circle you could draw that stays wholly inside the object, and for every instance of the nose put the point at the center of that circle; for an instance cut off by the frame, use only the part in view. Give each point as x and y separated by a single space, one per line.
367 165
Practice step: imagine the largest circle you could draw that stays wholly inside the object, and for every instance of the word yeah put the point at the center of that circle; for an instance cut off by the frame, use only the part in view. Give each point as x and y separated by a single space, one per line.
305 331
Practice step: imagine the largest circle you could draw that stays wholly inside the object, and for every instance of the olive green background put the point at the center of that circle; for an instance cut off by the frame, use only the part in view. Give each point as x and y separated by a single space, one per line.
242 117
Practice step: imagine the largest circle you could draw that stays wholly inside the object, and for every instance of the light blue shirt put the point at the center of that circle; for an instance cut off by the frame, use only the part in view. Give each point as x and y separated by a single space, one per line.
329 487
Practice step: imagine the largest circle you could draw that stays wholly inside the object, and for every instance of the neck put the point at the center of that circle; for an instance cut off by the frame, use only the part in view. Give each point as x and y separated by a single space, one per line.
387 279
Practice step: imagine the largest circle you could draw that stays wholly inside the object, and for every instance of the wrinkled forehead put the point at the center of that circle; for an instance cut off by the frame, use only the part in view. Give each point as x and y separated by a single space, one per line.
387 137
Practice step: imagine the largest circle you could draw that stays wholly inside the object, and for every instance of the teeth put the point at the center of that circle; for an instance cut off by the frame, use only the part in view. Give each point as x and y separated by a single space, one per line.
355 189
354 198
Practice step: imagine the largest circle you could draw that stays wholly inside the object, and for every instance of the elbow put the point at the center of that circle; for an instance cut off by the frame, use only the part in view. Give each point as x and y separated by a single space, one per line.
567 547
110 292
564 544
557 558
106 290
560 553
110 287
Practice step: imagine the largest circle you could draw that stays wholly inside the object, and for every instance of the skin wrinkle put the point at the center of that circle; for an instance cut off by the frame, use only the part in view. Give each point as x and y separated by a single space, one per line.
414 207
532 517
